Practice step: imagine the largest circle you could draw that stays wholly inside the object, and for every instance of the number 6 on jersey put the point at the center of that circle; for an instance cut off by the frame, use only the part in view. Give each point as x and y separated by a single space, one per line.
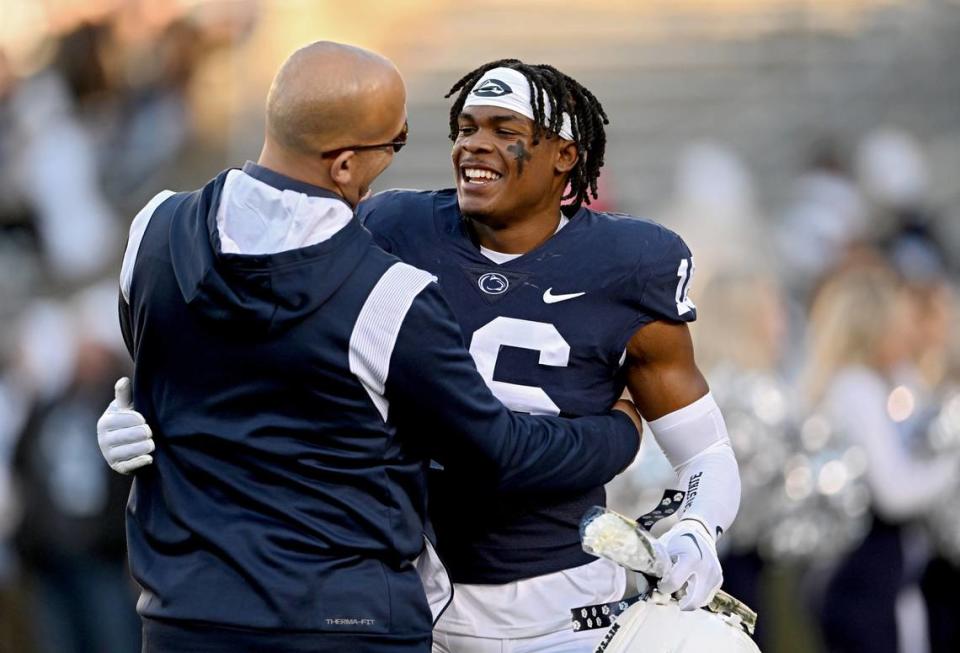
513 332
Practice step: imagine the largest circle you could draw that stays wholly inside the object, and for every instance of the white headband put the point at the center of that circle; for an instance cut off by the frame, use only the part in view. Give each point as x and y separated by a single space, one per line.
510 89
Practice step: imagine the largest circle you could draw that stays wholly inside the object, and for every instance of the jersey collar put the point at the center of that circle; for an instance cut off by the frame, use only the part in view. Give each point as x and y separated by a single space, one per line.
460 234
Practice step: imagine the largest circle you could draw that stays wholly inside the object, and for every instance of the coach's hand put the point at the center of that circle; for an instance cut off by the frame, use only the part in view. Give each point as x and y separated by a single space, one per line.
695 564
124 437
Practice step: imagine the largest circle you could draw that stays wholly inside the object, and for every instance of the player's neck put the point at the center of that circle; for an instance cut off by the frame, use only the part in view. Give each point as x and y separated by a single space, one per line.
516 236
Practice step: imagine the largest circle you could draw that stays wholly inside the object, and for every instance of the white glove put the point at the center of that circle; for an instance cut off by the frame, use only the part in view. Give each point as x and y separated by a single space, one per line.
123 435
695 564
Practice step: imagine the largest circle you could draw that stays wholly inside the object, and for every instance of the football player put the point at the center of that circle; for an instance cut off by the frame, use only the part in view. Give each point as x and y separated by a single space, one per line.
562 308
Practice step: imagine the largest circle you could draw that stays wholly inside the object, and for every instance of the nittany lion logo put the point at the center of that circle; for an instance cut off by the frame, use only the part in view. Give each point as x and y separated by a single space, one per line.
493 283
492 88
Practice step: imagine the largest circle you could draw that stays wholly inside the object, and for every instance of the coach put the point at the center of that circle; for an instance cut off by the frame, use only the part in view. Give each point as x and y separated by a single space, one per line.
297 380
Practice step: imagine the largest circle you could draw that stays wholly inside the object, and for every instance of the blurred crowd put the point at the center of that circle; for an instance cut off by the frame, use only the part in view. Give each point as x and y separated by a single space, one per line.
827 329
83 137
828 332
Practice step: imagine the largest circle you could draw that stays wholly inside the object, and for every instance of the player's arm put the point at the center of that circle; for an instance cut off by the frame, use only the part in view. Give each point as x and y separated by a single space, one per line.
660 370
673 396
462 425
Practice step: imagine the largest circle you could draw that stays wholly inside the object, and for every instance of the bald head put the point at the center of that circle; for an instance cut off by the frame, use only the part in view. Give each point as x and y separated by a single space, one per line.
329 95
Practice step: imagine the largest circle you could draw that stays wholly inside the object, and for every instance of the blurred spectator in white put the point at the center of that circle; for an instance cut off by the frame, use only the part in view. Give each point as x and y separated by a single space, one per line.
862 335
714 209
744 324
939 365
70 537
824 218
892 170
56 163
740 337
45 349
936 329
20 270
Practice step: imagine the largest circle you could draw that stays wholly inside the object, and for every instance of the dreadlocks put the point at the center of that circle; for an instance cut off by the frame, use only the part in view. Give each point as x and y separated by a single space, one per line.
565 94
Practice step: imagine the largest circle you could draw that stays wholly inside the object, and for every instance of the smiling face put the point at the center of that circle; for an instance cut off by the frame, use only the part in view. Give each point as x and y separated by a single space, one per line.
501 175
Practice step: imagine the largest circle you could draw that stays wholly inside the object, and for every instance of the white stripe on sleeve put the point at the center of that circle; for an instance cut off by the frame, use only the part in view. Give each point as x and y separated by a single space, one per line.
137 229
378 324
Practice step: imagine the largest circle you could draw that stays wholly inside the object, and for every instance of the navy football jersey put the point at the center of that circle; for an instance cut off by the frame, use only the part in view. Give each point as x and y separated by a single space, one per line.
548 331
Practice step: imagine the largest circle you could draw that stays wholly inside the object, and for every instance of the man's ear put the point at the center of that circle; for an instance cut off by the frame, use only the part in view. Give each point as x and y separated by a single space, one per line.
342 169
567 155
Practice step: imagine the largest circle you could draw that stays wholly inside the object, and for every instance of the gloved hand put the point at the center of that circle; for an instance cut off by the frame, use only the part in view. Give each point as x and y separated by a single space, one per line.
695 564
123 435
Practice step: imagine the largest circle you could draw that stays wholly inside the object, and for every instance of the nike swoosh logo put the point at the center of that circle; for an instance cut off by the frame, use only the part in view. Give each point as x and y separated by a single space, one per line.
549 298
695 543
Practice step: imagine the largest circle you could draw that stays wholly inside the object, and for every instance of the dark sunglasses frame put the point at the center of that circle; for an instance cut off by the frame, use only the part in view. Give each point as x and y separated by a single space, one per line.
397 145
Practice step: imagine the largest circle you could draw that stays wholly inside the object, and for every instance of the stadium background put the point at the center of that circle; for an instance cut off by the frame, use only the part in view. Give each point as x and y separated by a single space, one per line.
796 145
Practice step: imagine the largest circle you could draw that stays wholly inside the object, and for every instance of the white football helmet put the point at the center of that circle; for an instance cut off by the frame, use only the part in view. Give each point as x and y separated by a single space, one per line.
658 625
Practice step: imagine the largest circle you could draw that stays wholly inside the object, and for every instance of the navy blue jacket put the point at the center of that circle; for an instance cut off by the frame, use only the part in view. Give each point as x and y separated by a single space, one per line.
548 331
295 399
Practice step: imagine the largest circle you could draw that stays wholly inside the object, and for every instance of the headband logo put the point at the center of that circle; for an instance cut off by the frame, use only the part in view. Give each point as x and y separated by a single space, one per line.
492 88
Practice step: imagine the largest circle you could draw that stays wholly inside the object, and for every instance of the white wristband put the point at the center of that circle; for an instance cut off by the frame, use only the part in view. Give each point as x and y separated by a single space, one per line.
694 439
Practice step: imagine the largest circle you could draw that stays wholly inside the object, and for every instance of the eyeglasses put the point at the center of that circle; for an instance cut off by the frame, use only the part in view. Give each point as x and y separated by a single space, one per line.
397 145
